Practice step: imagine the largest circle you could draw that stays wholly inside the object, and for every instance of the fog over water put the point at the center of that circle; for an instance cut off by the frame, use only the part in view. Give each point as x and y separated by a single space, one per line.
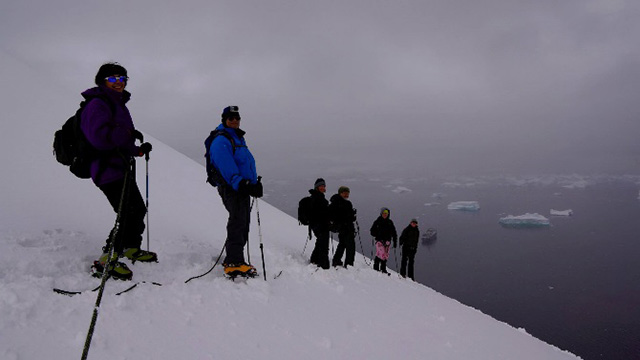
460 87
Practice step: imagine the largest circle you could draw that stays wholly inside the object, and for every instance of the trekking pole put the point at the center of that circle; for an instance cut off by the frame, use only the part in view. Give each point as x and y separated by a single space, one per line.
146 158
395 254
253 201
332 252
360 240
264 269
308 238
105 271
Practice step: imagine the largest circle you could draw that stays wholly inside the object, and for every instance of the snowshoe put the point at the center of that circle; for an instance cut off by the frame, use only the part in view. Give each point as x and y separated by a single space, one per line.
134 255
244 270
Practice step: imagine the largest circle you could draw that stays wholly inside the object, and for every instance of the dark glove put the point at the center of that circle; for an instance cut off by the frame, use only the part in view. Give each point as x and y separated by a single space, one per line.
145 149
256 190
138 135
244 187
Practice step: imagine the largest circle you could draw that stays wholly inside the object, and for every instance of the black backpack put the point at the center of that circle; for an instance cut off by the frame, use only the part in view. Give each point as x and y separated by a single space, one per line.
305 210
213 175
71 148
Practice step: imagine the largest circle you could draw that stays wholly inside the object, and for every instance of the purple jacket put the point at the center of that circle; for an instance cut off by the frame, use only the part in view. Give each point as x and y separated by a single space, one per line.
108 132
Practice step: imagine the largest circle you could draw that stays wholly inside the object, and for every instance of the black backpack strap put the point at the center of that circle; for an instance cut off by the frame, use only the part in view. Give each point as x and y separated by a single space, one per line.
215 134
213 176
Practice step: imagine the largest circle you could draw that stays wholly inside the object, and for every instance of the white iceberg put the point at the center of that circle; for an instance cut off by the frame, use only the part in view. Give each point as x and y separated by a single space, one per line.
464 205
526 220
568 212
401 190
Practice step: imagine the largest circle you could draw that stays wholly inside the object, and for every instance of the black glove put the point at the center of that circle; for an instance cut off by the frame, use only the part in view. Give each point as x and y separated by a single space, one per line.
138 135
244 187
145 149
256 190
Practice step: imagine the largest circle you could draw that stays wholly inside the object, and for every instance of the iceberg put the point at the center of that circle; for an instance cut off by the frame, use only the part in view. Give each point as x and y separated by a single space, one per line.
401 190
562 212
464 205
526 220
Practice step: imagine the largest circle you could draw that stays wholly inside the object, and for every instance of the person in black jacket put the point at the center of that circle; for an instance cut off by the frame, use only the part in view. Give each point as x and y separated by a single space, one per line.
409 243
383 232
342 215
319 224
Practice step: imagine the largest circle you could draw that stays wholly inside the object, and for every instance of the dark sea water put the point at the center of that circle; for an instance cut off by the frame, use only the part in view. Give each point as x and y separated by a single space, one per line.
574 284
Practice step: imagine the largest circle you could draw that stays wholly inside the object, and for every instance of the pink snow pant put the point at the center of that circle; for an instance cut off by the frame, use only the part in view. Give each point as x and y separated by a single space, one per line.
382 249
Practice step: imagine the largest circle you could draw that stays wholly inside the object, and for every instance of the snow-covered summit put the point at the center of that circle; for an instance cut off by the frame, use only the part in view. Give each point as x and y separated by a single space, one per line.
303 313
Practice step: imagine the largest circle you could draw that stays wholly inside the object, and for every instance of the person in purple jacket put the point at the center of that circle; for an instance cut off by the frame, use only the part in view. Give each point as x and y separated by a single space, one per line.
108 126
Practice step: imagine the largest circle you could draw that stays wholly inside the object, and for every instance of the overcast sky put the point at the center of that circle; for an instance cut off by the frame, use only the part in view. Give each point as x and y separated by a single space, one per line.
465 87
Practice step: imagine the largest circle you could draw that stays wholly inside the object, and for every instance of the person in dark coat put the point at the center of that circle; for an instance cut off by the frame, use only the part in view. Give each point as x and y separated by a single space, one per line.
384 232
342 215
319 224
409 243
107 124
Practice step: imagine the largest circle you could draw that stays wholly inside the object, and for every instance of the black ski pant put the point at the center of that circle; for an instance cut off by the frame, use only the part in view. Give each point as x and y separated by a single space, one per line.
132 218
320 253
408 256
346 243
379 264
239 208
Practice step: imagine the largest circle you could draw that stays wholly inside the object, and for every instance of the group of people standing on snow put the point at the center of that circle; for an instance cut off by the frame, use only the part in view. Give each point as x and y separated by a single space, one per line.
108 127
339 216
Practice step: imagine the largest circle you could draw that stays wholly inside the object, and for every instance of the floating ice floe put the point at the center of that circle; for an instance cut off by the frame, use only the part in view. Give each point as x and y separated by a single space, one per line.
526 220
401 190
464 205
568 212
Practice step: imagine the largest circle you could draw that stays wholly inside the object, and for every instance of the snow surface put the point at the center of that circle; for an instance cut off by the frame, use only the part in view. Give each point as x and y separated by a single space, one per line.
51 239
464 205
526 220
52 226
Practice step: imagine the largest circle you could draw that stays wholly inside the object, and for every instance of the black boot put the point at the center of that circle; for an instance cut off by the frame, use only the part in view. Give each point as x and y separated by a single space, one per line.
376 264
383 266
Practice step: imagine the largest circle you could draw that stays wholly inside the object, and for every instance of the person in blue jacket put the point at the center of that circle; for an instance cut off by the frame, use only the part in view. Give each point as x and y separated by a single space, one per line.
231 157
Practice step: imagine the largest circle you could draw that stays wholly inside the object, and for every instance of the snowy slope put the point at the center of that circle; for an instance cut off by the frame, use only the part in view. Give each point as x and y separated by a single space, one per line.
52 226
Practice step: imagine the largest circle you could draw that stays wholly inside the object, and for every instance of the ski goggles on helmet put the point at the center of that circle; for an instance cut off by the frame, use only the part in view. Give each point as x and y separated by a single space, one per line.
113 79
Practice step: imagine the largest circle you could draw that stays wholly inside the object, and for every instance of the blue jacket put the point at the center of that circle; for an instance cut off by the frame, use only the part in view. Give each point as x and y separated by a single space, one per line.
234 167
